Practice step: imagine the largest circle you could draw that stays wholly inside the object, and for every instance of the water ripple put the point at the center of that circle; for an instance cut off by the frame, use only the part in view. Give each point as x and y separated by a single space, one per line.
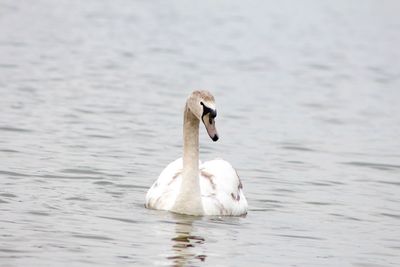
10 173
301 237
377 166
119 219
94 237
15 129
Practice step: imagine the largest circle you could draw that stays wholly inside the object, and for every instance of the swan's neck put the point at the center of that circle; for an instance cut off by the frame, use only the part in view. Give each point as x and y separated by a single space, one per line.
189 197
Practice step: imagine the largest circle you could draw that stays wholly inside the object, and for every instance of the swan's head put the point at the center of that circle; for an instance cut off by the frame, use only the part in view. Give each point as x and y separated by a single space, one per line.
202 105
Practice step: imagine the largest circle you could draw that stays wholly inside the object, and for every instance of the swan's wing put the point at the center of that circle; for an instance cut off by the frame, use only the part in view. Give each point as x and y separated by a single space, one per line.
221 189
162 194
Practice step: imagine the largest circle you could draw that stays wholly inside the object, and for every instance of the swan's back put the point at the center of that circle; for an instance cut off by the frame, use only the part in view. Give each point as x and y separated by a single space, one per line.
221 188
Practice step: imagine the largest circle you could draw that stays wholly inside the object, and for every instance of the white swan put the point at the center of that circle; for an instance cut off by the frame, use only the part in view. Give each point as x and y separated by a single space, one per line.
188 186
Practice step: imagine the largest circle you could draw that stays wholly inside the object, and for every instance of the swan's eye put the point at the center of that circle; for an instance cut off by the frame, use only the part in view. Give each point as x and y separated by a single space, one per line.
213 113
201 103
206 109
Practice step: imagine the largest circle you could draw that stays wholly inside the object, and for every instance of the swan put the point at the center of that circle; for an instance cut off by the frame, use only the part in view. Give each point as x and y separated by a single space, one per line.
186 185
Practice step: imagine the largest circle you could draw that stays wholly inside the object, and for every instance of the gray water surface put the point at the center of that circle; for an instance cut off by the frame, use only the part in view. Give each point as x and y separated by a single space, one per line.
91 102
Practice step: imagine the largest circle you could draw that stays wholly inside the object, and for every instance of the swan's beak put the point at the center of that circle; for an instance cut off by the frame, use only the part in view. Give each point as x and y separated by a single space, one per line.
209 122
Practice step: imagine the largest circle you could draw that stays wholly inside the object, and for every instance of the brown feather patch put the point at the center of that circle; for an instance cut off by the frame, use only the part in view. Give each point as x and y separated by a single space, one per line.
175 176
240 182
210 178
237 197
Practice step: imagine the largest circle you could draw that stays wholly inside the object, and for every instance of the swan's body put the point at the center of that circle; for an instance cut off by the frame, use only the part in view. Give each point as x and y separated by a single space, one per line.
220 187
189 187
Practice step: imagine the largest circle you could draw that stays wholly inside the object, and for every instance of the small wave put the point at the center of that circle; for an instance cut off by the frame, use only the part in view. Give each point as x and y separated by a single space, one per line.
301 236
7 250
103 183
318 203
299 148
99 136
7 195
40 213
377 166
77 198
52 176
9 151
15 129
389 182
13 173
81 171
119 219
391 215
131 186
96 237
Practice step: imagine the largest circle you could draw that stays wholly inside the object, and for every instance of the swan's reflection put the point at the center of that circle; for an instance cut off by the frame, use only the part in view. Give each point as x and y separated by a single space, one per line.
184 243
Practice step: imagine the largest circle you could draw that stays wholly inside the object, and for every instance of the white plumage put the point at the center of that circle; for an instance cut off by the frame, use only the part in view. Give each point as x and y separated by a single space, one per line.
220 186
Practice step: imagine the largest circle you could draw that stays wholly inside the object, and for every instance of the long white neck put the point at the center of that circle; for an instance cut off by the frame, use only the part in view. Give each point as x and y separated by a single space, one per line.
189 197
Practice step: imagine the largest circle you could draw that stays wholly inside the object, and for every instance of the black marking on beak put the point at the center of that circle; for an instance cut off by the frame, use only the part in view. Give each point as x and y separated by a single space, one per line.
206 110
215 138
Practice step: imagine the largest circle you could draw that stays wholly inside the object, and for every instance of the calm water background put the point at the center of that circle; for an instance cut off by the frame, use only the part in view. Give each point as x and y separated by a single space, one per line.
308 97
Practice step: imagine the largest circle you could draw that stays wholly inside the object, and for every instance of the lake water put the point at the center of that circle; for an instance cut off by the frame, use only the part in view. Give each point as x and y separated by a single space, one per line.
92 96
